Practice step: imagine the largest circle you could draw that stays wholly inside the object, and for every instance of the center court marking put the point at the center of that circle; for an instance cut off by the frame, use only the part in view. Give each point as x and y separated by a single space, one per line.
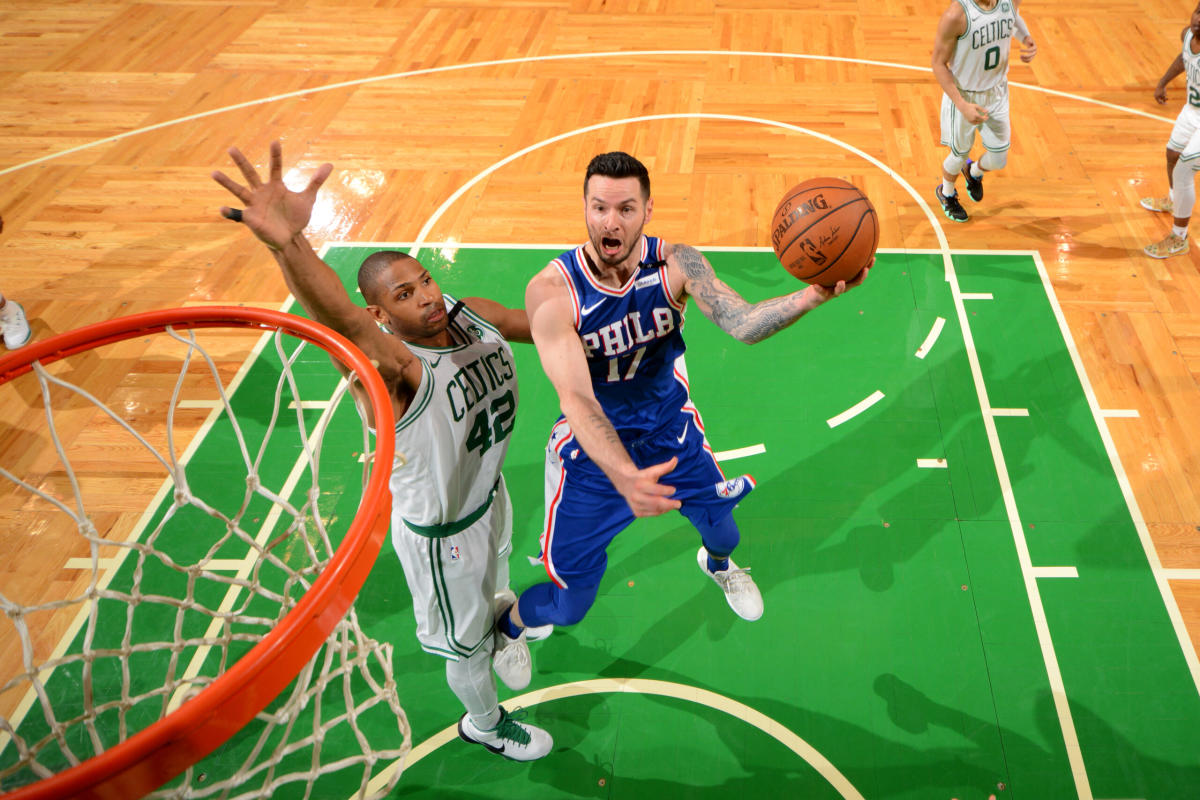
679 691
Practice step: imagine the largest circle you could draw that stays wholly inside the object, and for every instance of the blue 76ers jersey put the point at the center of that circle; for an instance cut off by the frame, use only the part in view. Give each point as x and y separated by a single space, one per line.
632 340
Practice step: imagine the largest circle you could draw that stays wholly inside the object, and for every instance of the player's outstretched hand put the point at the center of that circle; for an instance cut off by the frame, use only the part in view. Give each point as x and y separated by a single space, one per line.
1028 49
645 495
272 211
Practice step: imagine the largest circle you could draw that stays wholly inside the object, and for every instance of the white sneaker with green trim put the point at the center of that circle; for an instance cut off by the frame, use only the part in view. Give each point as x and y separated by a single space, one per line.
511 738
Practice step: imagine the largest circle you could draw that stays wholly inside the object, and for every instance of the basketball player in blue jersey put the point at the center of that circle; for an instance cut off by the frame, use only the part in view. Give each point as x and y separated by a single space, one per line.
448 369
970 62
606 319
1183 148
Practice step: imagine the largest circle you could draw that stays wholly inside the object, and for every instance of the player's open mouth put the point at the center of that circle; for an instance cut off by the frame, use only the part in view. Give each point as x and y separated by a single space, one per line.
436 315
610 245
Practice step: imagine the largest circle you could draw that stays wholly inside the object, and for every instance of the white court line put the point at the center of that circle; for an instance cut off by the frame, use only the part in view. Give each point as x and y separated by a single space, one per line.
643 686
1135 511
209 404
216 565
1181 574
932 463
977 296
932 338
1010 412
1055 572
86 563
1109 413
1058 689
856 409
320 405
741 452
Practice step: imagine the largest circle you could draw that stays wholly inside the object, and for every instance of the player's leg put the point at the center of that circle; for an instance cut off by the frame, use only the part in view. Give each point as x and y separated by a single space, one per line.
452 581
580 525
996 137
1186 123
957 134
1183 185
486 722
583 514
510 654
1163 204
707 499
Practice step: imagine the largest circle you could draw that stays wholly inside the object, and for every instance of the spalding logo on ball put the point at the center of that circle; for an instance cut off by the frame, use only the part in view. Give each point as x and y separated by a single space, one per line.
824 230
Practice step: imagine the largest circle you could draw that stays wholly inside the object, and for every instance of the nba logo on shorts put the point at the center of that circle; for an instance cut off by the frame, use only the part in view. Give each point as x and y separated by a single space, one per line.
731 488
454 553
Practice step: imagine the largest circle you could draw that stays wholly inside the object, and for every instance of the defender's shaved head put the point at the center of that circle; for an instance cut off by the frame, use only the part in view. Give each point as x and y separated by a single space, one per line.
372 267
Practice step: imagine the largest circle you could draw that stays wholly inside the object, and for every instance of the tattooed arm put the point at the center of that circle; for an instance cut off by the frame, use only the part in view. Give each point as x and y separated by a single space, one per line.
548 305
690 273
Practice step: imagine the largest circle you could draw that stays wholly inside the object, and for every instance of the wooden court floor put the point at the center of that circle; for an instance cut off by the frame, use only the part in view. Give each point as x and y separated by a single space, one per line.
473 121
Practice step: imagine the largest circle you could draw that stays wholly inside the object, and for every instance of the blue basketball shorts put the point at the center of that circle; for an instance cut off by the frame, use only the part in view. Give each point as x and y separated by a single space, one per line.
584 511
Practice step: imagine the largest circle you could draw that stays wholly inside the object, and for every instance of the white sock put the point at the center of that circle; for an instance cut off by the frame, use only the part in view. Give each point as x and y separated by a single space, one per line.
976 170
1180 232
473 684
948 189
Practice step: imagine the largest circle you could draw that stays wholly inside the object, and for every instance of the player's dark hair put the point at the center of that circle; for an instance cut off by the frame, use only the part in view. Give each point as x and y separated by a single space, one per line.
370 269
618 165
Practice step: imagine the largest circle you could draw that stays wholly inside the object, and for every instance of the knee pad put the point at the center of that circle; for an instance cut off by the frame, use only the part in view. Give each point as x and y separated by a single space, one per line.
547 603
991 161
954 164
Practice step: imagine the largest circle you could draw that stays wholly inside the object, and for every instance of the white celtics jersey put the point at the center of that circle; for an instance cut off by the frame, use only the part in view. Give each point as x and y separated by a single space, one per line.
980 59
455 431
1191 65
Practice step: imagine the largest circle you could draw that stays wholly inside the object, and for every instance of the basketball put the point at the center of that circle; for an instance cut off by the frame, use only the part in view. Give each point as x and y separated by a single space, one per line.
824 230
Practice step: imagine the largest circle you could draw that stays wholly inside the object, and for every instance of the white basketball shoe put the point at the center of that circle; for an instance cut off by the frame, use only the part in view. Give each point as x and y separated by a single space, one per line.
511 738
510 657
14 327
740 590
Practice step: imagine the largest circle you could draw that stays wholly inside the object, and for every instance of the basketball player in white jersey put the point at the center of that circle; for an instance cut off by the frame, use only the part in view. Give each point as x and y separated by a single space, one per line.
1183 148
449 370
970 62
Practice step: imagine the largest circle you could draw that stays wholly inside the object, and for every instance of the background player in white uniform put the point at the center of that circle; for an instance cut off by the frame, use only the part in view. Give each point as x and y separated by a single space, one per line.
454 395
627 433
970 62
1183 148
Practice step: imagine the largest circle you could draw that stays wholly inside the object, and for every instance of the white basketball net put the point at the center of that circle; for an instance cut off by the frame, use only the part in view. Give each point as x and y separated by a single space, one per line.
133 651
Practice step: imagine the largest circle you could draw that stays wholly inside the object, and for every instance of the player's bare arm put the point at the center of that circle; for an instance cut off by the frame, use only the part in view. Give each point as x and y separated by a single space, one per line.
513 323
548 306
1173 71
952 25
278 216
747 322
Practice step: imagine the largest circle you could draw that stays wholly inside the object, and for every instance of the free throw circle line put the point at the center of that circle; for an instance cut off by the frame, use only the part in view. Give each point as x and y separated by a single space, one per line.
679 691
